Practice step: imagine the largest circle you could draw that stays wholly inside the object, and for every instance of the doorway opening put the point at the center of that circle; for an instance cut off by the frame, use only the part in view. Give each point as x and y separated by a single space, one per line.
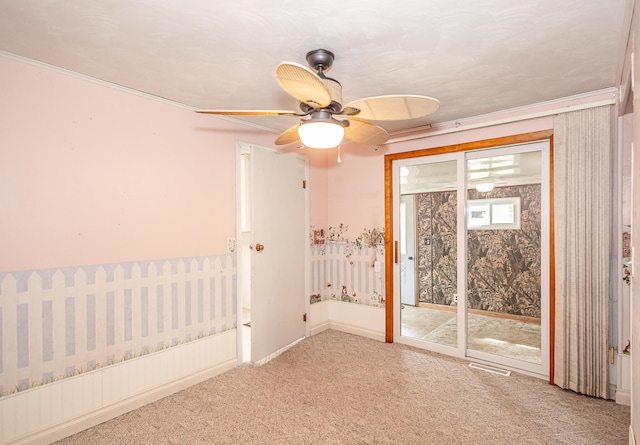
244 265
471 247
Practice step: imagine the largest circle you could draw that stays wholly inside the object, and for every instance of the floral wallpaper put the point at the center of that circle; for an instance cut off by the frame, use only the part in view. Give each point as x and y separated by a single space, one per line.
503 265
437 256
345 270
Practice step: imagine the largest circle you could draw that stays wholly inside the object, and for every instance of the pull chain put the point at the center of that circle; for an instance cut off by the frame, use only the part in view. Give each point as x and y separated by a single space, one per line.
339 160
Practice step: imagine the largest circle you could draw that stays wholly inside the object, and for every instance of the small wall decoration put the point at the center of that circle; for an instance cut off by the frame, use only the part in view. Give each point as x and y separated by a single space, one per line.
626 272
317 236
336 234
373 237
626 245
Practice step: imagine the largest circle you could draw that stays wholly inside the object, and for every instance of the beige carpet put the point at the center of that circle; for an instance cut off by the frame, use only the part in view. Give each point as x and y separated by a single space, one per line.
337 388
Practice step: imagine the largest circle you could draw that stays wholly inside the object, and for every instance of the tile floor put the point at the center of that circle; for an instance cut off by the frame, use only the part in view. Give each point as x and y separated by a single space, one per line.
501 336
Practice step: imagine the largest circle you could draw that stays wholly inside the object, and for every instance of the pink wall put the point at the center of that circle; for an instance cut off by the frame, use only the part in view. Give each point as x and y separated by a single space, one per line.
91 174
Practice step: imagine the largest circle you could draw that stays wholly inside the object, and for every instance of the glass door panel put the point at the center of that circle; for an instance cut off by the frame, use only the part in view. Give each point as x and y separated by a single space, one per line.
473 255
428 252
504 255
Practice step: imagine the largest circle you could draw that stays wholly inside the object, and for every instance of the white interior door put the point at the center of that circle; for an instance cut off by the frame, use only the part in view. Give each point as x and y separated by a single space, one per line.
278 256
408 250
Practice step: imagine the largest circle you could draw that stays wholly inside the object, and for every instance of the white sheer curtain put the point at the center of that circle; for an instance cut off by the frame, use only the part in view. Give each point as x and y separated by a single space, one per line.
582 212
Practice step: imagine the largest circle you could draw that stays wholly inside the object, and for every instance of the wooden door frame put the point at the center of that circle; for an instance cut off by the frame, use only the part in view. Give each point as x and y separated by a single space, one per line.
391 250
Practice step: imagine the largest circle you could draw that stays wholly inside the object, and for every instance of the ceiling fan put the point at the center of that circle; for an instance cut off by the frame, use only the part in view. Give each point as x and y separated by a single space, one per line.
325 121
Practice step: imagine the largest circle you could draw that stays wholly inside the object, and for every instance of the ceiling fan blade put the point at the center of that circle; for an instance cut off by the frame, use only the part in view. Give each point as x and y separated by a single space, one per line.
289 136
395 107
365 132
303 84
250 112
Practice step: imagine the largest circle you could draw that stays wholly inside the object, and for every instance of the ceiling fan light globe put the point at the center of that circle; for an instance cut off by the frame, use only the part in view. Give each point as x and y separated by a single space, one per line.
485 187
321 134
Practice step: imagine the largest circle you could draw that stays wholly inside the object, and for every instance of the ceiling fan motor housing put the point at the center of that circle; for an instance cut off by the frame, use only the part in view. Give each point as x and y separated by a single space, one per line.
320 59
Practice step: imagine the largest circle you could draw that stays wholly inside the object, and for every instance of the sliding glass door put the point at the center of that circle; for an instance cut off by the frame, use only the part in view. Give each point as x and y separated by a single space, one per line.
473 232
507 235
428 227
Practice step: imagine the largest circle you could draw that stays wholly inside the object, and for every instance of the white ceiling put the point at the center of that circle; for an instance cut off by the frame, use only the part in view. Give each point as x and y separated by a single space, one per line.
475 56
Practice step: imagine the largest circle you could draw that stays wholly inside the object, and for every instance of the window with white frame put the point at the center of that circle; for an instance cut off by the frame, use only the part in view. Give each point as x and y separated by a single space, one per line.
493 214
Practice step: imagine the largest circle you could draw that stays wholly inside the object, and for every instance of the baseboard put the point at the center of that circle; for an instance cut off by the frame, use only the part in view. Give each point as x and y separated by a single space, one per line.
319 328
613 389
623 397
350 329
270 357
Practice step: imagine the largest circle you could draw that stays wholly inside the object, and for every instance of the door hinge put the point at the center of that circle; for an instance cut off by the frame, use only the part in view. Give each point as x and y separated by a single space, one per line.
304 317
304 184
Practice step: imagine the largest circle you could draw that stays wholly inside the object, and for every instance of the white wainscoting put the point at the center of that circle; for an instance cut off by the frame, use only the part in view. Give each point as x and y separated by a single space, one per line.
319 317
56 410
359 319
623 381
342 271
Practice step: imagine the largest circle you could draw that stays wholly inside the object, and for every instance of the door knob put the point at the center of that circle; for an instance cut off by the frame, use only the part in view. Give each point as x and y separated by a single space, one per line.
410 258
259 247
